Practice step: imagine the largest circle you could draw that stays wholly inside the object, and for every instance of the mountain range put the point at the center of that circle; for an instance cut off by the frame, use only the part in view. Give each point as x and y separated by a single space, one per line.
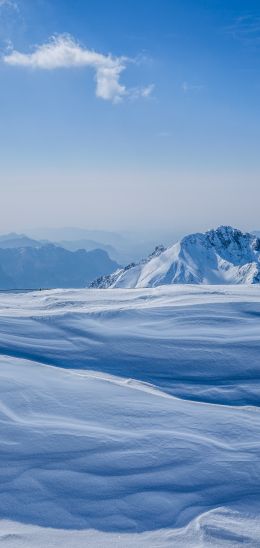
27 264
13 240
123 247
222 256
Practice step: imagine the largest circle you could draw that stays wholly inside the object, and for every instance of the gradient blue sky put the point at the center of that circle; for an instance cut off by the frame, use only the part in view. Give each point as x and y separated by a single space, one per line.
184 157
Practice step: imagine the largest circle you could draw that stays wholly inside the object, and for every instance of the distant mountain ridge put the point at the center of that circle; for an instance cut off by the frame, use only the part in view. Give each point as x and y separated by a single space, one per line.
123 247
222 256
49 266
13 240
89 245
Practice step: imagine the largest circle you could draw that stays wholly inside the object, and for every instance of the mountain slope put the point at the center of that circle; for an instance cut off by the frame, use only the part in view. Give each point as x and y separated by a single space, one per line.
222 256
50 266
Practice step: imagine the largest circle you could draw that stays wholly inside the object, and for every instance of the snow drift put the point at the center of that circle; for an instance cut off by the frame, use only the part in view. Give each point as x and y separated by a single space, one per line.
130 418
222 256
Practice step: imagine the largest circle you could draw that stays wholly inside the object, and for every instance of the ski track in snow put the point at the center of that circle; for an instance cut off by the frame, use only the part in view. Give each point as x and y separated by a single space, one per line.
130 417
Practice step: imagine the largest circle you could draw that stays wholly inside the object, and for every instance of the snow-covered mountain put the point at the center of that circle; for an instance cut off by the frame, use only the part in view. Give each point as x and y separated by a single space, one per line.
222 256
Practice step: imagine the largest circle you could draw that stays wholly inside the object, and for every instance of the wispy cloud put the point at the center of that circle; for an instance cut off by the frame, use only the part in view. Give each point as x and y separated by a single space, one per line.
186 88
63 51
8 4
145 92
245 28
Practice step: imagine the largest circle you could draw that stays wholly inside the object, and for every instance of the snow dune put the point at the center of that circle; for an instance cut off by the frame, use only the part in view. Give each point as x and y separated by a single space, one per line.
192 342
130 418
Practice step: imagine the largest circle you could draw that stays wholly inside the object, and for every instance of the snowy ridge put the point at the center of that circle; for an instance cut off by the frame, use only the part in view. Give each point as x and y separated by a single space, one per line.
222 256
214 529
130 418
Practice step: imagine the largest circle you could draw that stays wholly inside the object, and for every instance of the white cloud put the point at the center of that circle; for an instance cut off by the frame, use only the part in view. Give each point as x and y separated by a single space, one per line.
63 51
142 92
147 91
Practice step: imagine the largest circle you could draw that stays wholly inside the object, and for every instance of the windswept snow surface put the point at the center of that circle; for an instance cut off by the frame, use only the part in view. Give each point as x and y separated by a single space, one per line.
130 417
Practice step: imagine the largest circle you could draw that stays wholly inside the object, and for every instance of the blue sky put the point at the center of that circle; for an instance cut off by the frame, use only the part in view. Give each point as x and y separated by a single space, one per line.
169 137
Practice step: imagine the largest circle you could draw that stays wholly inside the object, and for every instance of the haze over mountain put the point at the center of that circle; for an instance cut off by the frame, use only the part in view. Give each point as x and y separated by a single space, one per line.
72 233
50 266
14 240
222 256
124 247
256 233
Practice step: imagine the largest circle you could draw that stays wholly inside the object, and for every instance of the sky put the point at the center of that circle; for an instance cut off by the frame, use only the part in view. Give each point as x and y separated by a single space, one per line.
135 115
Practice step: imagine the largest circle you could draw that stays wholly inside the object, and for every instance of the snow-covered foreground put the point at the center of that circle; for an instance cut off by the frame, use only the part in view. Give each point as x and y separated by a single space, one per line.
130 417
